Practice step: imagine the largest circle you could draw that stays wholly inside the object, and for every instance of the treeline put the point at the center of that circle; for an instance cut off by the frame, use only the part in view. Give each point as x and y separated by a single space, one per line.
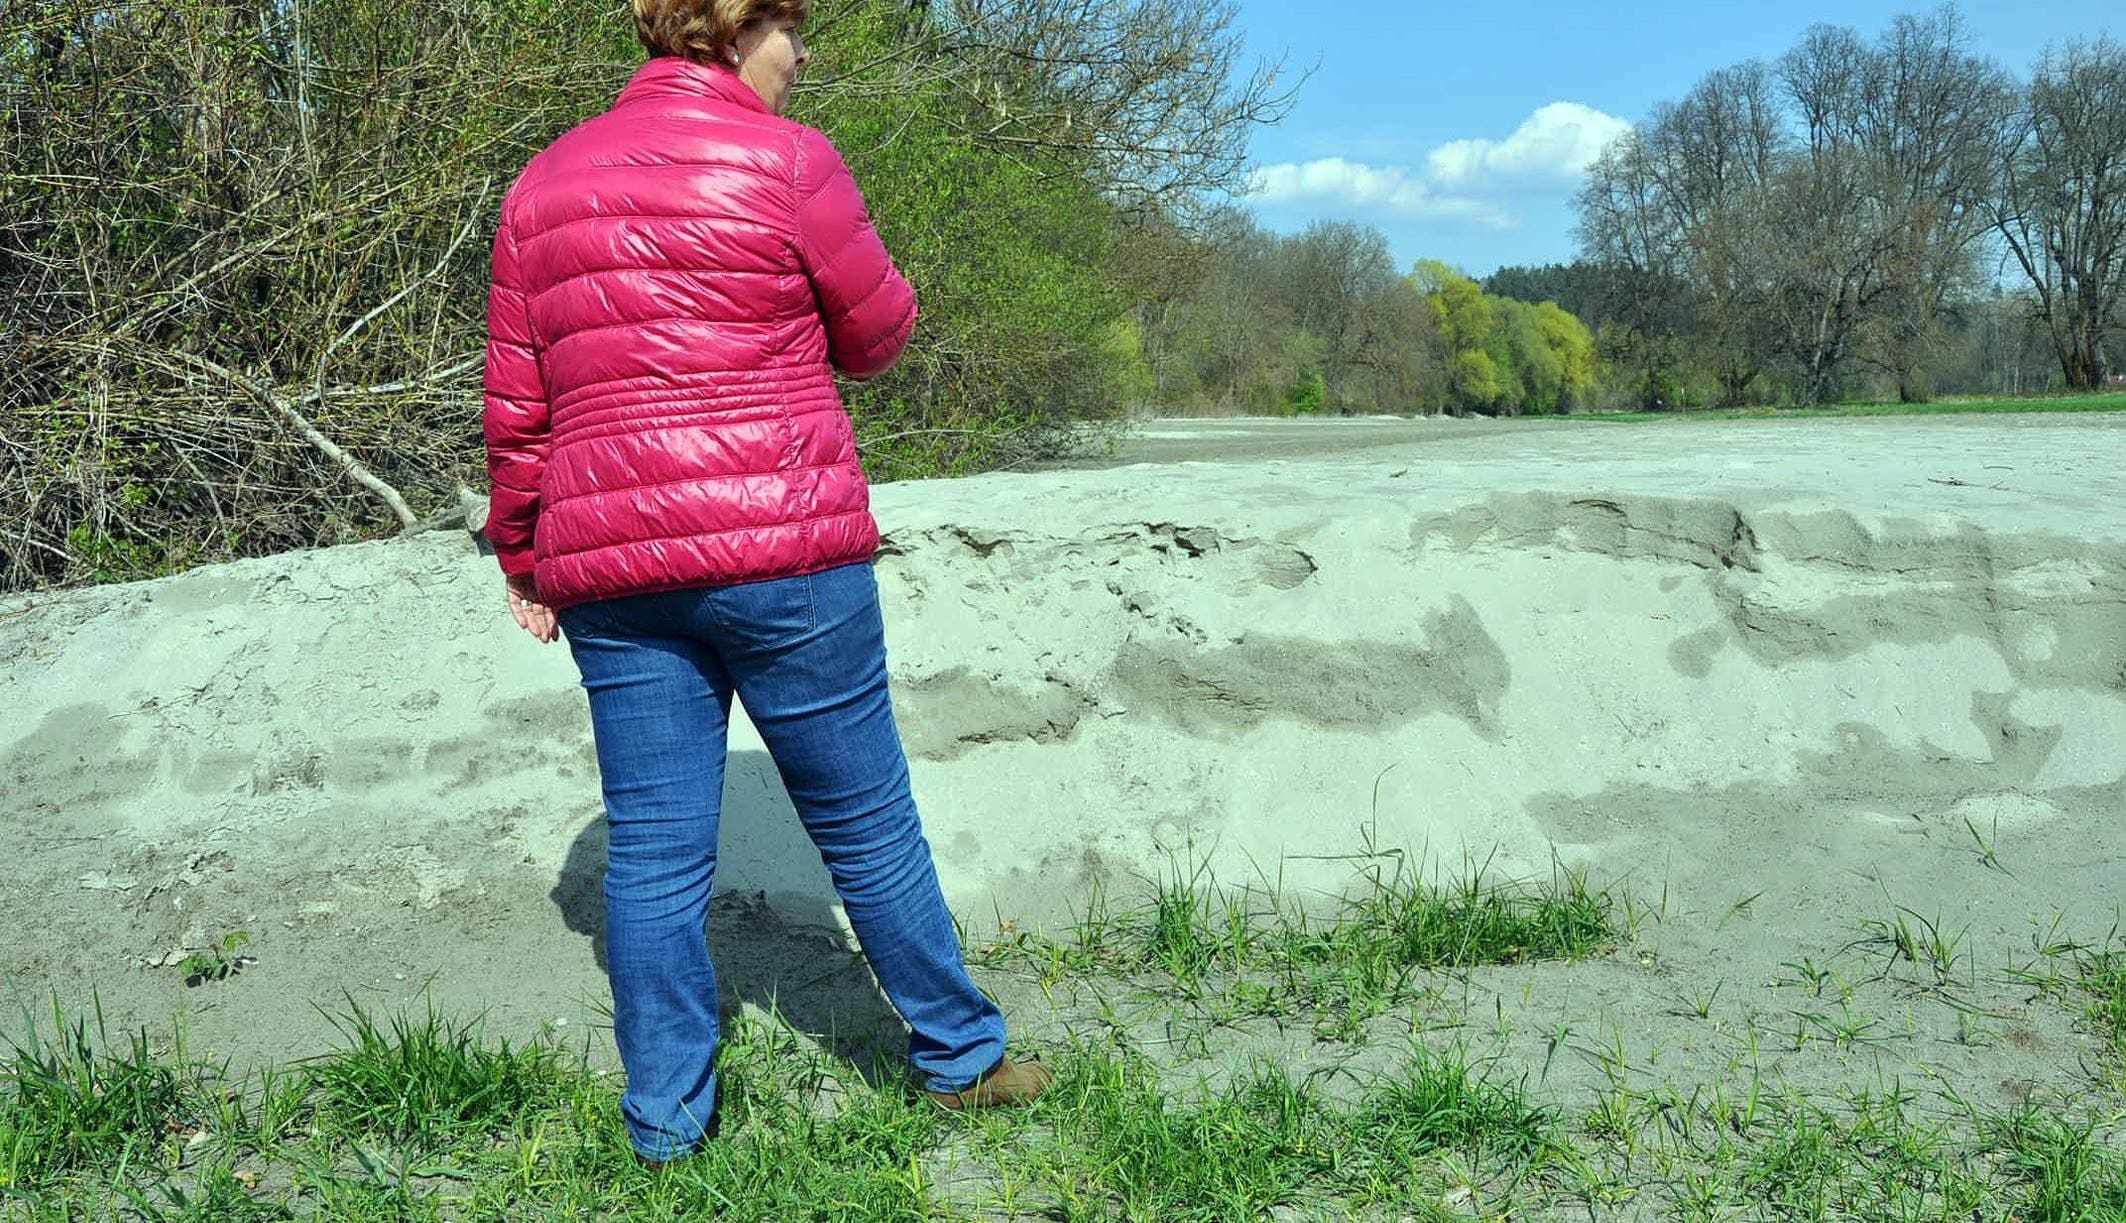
243 243
1322 321
1897 215
1991 343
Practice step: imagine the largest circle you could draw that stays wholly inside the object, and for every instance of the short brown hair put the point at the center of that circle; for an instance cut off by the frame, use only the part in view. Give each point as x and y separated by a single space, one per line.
705 30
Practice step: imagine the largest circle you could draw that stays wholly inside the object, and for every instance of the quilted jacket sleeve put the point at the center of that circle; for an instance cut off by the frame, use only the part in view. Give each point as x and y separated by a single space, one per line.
868 307
515 416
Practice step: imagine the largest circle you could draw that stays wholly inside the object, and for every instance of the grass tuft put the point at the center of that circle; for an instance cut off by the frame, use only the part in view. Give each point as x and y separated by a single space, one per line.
1402 922
2098 981
807 1136
1435 1103
70 1104
431 1082
1348 966
2066 1175
215 1195
1121 1146
2104 984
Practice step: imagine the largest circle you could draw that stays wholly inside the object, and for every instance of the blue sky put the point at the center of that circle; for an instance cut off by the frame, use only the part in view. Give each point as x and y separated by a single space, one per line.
1460 130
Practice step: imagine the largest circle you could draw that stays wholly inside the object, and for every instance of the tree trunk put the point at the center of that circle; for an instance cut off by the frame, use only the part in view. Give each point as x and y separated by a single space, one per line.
1735 386
1812 380
2079 364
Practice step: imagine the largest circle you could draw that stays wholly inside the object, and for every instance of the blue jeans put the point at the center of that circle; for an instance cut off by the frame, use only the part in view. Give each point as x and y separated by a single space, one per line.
807 656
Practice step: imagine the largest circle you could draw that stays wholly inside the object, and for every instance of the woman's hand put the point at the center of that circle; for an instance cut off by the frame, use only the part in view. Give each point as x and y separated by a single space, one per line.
532 616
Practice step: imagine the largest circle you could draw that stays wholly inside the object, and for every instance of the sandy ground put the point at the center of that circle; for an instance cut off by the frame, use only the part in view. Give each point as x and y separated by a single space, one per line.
1707 661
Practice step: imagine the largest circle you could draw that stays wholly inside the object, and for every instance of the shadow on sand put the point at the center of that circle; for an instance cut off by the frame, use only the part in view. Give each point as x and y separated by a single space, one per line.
774 934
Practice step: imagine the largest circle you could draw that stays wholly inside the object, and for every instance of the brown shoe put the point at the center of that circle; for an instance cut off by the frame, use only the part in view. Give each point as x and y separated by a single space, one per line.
1007 1084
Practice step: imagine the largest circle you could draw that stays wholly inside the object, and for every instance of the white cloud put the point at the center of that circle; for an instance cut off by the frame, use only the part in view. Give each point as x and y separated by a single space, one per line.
1551 148
1461 180
1332 180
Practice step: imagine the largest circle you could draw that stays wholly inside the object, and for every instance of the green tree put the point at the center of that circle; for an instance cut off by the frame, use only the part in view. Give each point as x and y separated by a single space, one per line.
1573 345
1307 397
1465 320
1532 374
1267 313
1473 377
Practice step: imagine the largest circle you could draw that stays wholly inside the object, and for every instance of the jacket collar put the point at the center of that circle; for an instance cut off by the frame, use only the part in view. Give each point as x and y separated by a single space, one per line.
669 76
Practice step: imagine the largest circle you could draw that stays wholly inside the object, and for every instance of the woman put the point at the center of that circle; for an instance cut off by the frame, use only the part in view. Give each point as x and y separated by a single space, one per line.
676 487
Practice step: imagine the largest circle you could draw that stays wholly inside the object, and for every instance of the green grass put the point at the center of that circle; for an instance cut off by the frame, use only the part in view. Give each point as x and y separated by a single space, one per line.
2108 402
427 1083
2103 983
2091 977
1120 1144
73 1104
2057 1170
1339 967
421 1116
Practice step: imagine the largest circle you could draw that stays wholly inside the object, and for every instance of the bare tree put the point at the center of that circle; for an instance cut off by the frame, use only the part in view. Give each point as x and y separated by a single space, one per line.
2061 211
1932 113
1834 239
1152 96
1325 274
1832 264
1714 154
1669 209
1823 211
242 307
1628 228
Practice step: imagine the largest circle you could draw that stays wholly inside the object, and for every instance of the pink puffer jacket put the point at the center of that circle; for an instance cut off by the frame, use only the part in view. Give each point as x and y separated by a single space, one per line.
675 283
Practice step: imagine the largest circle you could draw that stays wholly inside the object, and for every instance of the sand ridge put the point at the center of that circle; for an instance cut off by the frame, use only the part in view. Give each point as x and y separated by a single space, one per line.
1787 659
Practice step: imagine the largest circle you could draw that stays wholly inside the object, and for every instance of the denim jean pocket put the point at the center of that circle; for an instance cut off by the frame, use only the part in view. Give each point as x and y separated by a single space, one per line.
583 619
613 617
766 615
